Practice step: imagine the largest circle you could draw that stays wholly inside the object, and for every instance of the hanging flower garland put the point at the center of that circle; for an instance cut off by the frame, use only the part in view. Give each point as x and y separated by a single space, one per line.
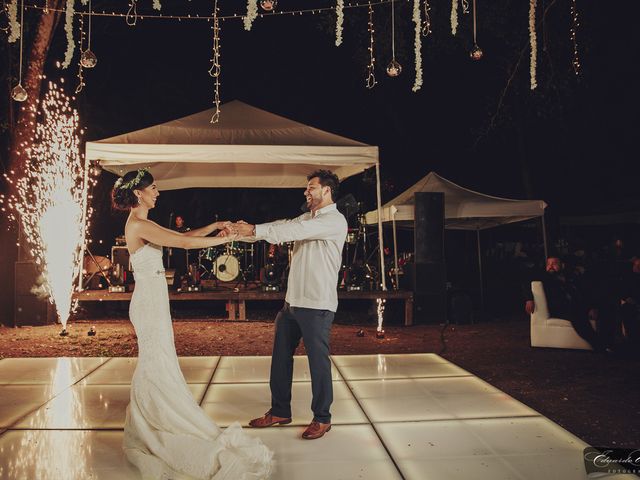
533 40
454 17
417 84
68 28
157 5
14 26
339 21
252 13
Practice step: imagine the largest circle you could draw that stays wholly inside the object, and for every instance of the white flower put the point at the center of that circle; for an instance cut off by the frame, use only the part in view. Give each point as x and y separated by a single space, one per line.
68 28
533 40
339 21
454 17
14 26
157 5
417 84
252 13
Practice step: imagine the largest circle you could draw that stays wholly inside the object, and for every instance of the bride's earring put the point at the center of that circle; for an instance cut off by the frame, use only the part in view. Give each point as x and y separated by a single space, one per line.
139 201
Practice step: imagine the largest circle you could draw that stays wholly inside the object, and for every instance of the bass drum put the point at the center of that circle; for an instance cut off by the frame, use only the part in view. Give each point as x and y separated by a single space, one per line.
226 268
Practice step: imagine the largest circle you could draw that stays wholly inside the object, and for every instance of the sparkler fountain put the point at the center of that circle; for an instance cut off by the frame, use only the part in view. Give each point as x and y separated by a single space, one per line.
51 198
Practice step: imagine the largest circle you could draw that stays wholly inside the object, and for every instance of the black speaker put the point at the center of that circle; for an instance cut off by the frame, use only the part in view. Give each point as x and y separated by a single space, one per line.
120 256
429 227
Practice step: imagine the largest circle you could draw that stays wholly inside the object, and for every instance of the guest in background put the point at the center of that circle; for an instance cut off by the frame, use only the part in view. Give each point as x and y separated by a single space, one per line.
565 300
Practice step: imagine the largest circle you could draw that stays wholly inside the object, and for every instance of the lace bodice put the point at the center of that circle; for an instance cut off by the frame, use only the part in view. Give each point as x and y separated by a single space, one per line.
147 262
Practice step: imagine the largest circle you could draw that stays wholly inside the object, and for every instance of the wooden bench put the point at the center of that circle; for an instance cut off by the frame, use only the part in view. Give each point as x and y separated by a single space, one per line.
236 301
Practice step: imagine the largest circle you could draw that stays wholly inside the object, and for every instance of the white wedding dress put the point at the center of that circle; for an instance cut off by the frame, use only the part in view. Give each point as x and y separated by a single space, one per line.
167 435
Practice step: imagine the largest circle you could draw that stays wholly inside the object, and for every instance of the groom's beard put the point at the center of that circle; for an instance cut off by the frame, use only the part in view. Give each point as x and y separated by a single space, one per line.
304 207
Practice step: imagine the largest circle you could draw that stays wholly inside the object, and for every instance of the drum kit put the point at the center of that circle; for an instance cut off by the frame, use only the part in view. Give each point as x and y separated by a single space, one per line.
232 262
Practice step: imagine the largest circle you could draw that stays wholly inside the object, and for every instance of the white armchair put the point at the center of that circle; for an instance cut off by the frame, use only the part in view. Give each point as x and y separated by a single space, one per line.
552 332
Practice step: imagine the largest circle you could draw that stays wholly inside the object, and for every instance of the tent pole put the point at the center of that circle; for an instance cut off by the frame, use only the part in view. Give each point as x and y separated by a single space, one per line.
480 270
394 210
85 206
380 238
544 237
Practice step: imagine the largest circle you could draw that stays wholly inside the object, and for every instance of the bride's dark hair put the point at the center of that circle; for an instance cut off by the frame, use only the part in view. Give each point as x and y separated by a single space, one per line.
122 196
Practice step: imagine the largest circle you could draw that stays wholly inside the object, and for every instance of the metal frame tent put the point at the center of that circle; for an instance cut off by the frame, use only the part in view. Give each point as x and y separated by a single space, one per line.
464 209
248 147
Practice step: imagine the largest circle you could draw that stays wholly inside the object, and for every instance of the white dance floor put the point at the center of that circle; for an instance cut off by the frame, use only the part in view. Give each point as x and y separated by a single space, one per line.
413 417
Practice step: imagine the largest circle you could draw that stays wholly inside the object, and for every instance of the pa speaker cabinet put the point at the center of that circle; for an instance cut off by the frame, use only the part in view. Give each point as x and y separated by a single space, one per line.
120 256
429 227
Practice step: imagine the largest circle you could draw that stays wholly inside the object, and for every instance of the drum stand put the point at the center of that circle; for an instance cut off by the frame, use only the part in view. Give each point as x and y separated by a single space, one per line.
100 271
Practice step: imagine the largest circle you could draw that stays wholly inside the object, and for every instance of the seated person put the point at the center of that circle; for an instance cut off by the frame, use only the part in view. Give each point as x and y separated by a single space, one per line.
629 303
565 300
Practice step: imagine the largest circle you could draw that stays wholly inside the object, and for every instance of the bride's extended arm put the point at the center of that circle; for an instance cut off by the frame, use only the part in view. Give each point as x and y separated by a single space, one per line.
154 233
206 230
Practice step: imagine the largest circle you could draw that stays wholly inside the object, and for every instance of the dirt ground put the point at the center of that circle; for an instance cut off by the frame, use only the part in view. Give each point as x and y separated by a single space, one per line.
594 396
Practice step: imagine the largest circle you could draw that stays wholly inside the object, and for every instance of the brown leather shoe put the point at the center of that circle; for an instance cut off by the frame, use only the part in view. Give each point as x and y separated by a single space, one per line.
268 420
316 430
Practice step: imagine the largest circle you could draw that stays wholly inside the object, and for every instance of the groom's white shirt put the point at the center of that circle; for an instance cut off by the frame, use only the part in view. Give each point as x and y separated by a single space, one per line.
317 255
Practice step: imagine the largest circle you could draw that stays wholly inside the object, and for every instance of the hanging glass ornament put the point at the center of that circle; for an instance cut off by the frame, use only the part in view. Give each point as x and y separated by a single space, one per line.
268 5
394 68
476 53
88 59
19 94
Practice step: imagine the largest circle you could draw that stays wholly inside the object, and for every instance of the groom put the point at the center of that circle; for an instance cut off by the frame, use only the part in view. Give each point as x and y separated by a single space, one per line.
310 303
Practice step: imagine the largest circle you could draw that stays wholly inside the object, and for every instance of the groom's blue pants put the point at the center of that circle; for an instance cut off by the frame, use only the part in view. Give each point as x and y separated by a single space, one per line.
314 327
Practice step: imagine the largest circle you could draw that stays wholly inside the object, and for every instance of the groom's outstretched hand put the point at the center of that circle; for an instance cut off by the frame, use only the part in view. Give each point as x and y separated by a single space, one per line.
244 229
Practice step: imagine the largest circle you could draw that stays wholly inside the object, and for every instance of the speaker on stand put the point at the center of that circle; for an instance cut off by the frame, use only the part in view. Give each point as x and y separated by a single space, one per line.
428 272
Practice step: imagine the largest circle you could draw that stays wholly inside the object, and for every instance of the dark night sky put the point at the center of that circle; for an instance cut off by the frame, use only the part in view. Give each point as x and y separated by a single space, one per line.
570 142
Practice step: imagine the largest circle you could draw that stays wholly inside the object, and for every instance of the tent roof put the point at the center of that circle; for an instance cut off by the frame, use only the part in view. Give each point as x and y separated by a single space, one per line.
464 209
250 147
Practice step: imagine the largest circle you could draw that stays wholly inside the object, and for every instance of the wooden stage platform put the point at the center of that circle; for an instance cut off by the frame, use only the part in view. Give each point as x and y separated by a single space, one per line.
236 300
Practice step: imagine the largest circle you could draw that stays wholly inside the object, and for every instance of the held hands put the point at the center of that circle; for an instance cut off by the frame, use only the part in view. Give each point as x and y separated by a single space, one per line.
234 230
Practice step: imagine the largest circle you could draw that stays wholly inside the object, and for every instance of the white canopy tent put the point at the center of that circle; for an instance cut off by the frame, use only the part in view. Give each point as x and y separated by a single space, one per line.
464 209
248 147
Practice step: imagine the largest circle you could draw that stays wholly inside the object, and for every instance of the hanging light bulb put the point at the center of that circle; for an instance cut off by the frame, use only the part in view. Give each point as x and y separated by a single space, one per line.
476 53
88 59
19 94
394 68
268 5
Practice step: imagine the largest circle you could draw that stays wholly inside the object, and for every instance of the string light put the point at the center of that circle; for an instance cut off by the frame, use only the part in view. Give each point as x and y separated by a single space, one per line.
371 77
18 93
426 22
161 16
81 83
394 68
465 6
215 69
574 29
132 14
268 5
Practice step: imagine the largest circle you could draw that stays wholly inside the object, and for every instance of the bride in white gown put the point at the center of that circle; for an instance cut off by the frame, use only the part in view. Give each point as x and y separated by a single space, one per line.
167 435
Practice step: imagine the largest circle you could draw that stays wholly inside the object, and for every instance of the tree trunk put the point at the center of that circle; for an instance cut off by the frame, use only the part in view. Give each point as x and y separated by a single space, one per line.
23 130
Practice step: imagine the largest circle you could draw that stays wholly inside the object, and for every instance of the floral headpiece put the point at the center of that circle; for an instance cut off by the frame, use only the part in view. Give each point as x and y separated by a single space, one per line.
131 183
